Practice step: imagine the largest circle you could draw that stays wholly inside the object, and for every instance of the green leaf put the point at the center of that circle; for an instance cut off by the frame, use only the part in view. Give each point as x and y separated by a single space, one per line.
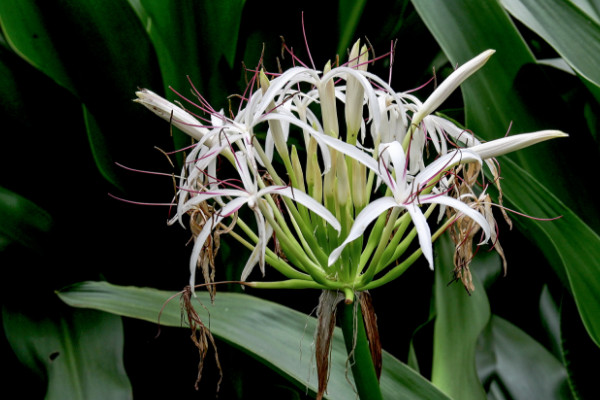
512 360
349 13
459 321
94 51
195 39
496 95
245 322
99 147
578 256
577 350
78 352
561 23
23 222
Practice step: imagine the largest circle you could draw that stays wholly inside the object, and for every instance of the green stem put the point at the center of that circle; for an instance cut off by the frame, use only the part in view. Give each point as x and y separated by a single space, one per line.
357 346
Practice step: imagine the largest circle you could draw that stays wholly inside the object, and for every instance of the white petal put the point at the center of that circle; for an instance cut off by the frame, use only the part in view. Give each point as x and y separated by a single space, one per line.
305 200
463 208
171 112
217 217
451 83
423 231
508 144
363 219
444 162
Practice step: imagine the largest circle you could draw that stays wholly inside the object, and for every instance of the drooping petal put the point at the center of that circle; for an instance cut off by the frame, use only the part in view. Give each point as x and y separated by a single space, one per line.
258 254
201 197
463 208
423 231
216 218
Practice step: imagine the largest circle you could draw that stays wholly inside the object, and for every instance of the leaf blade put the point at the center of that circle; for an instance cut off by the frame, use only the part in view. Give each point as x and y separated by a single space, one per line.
245 322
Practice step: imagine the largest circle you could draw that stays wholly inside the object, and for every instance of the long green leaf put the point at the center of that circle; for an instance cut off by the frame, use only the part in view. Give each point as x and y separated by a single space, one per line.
348 18
195 40
78 352
246 322
23 222
561 23
459 321
495 96
94 51
505 358
577 246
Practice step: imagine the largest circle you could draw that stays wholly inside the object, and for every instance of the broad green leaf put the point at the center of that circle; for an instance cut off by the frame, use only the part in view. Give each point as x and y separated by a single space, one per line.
245 321
94 51
22 25
78 352
23 222
195 40
561 23
590 7
496 95
509 358
459 321
578 352
576 245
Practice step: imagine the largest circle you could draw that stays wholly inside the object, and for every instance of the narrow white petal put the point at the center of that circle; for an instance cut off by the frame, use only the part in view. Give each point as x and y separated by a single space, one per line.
305 200
200 197
451 83
217 217
463 208
423 231
363 219
508 144
445 162
171 112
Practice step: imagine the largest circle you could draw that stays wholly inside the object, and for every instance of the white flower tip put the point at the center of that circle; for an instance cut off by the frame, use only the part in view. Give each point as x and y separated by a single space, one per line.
451 83
512 143
487 54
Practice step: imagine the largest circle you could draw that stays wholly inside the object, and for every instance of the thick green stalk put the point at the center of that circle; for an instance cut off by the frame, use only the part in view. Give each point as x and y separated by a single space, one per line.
357 345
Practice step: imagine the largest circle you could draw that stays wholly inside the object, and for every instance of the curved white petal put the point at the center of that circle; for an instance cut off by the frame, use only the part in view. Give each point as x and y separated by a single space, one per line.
217 217
200 197
363 219
508 144
423 231
450 84
305 200
445 162
463 208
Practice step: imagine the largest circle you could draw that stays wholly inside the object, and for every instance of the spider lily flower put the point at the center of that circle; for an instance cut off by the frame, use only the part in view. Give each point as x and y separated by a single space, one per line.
406 195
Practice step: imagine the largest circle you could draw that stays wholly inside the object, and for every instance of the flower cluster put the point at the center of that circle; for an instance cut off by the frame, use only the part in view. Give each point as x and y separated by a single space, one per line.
340 172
